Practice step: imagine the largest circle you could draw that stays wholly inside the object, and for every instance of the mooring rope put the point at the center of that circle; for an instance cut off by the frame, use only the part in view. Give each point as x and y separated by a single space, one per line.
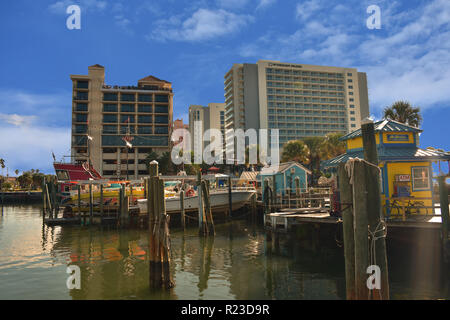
379 233
350 167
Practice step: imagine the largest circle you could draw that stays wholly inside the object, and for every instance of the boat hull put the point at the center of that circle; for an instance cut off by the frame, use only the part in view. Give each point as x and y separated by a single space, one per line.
218 200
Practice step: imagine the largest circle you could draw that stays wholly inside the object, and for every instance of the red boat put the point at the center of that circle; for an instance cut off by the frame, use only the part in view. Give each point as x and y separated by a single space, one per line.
69 174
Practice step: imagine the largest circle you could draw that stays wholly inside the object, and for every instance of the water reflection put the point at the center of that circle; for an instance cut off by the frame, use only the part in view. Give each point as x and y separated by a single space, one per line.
238 263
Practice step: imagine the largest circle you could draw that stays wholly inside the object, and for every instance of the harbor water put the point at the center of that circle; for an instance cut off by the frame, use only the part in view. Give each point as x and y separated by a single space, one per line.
238 263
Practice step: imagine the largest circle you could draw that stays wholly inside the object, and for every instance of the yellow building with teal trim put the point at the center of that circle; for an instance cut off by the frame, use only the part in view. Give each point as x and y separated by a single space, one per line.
406 169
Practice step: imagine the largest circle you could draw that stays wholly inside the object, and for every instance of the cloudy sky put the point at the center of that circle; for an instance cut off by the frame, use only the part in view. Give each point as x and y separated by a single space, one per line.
193 43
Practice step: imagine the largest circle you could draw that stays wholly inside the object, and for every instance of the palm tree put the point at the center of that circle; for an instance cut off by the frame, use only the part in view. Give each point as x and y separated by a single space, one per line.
332 146
16 172
403 112
295 150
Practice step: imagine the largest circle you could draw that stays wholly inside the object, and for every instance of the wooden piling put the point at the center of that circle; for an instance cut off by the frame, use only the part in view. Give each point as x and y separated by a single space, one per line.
348 235
101 202
360 231
230 198
79 200
443 197
47 194
377 225
202 230
297 191
91 204
182 216
207 209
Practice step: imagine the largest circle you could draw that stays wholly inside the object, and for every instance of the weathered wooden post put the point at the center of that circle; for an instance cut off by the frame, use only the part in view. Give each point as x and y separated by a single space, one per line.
347 226
377 226
443 197
207 207
159 239
44 200
360 231
91 204
53 197
151 210
101 203
297 191
230 198
201 209
79 200
182 211
274 192
49 200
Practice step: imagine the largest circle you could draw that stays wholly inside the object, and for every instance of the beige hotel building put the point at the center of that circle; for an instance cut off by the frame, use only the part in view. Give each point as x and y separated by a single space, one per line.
298 99
102 115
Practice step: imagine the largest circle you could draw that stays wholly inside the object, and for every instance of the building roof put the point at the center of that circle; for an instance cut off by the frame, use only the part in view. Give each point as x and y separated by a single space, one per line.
97 66
282 167
249 175
152 79
385 125
386 154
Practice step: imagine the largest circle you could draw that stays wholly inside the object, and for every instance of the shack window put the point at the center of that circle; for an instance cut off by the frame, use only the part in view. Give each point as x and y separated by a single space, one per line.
421 178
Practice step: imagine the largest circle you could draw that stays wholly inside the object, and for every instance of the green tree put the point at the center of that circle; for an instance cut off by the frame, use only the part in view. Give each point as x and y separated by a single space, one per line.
403 112
16 172
25 180
332 146
295 150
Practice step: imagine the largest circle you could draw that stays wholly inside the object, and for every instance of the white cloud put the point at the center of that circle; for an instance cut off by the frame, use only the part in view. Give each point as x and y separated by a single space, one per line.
28 147
60 7
305 9
204 24
265 3
407 59
54 108
17 120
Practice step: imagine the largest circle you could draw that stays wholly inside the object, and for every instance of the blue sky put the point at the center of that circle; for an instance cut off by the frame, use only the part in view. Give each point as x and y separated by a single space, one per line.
193 43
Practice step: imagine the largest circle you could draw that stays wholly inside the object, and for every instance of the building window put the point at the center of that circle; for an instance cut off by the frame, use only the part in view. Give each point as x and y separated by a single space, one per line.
161 109
127 129
144 130
127 97
144 119
352 119
352 112
349 80
81 117
161 98
353 125
162 119
110 108
110 96
420 178
352 106
110 118
110 129
81 128
349 74
144 108
81 95
145 97
126 118
81 107
161 130
127 108
351 99
350 87
82 84
350 93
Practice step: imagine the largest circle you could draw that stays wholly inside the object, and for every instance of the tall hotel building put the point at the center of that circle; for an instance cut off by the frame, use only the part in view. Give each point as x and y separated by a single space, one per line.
300 100
103 115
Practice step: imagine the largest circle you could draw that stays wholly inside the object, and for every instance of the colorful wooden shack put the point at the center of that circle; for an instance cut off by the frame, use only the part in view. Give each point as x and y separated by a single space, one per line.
285 176
406 169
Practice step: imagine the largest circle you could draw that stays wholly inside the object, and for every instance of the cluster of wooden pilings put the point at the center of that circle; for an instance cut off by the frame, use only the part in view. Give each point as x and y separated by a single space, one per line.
364 229
159 236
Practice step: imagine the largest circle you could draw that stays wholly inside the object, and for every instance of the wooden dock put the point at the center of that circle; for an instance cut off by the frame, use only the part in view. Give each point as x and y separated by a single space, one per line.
284 220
